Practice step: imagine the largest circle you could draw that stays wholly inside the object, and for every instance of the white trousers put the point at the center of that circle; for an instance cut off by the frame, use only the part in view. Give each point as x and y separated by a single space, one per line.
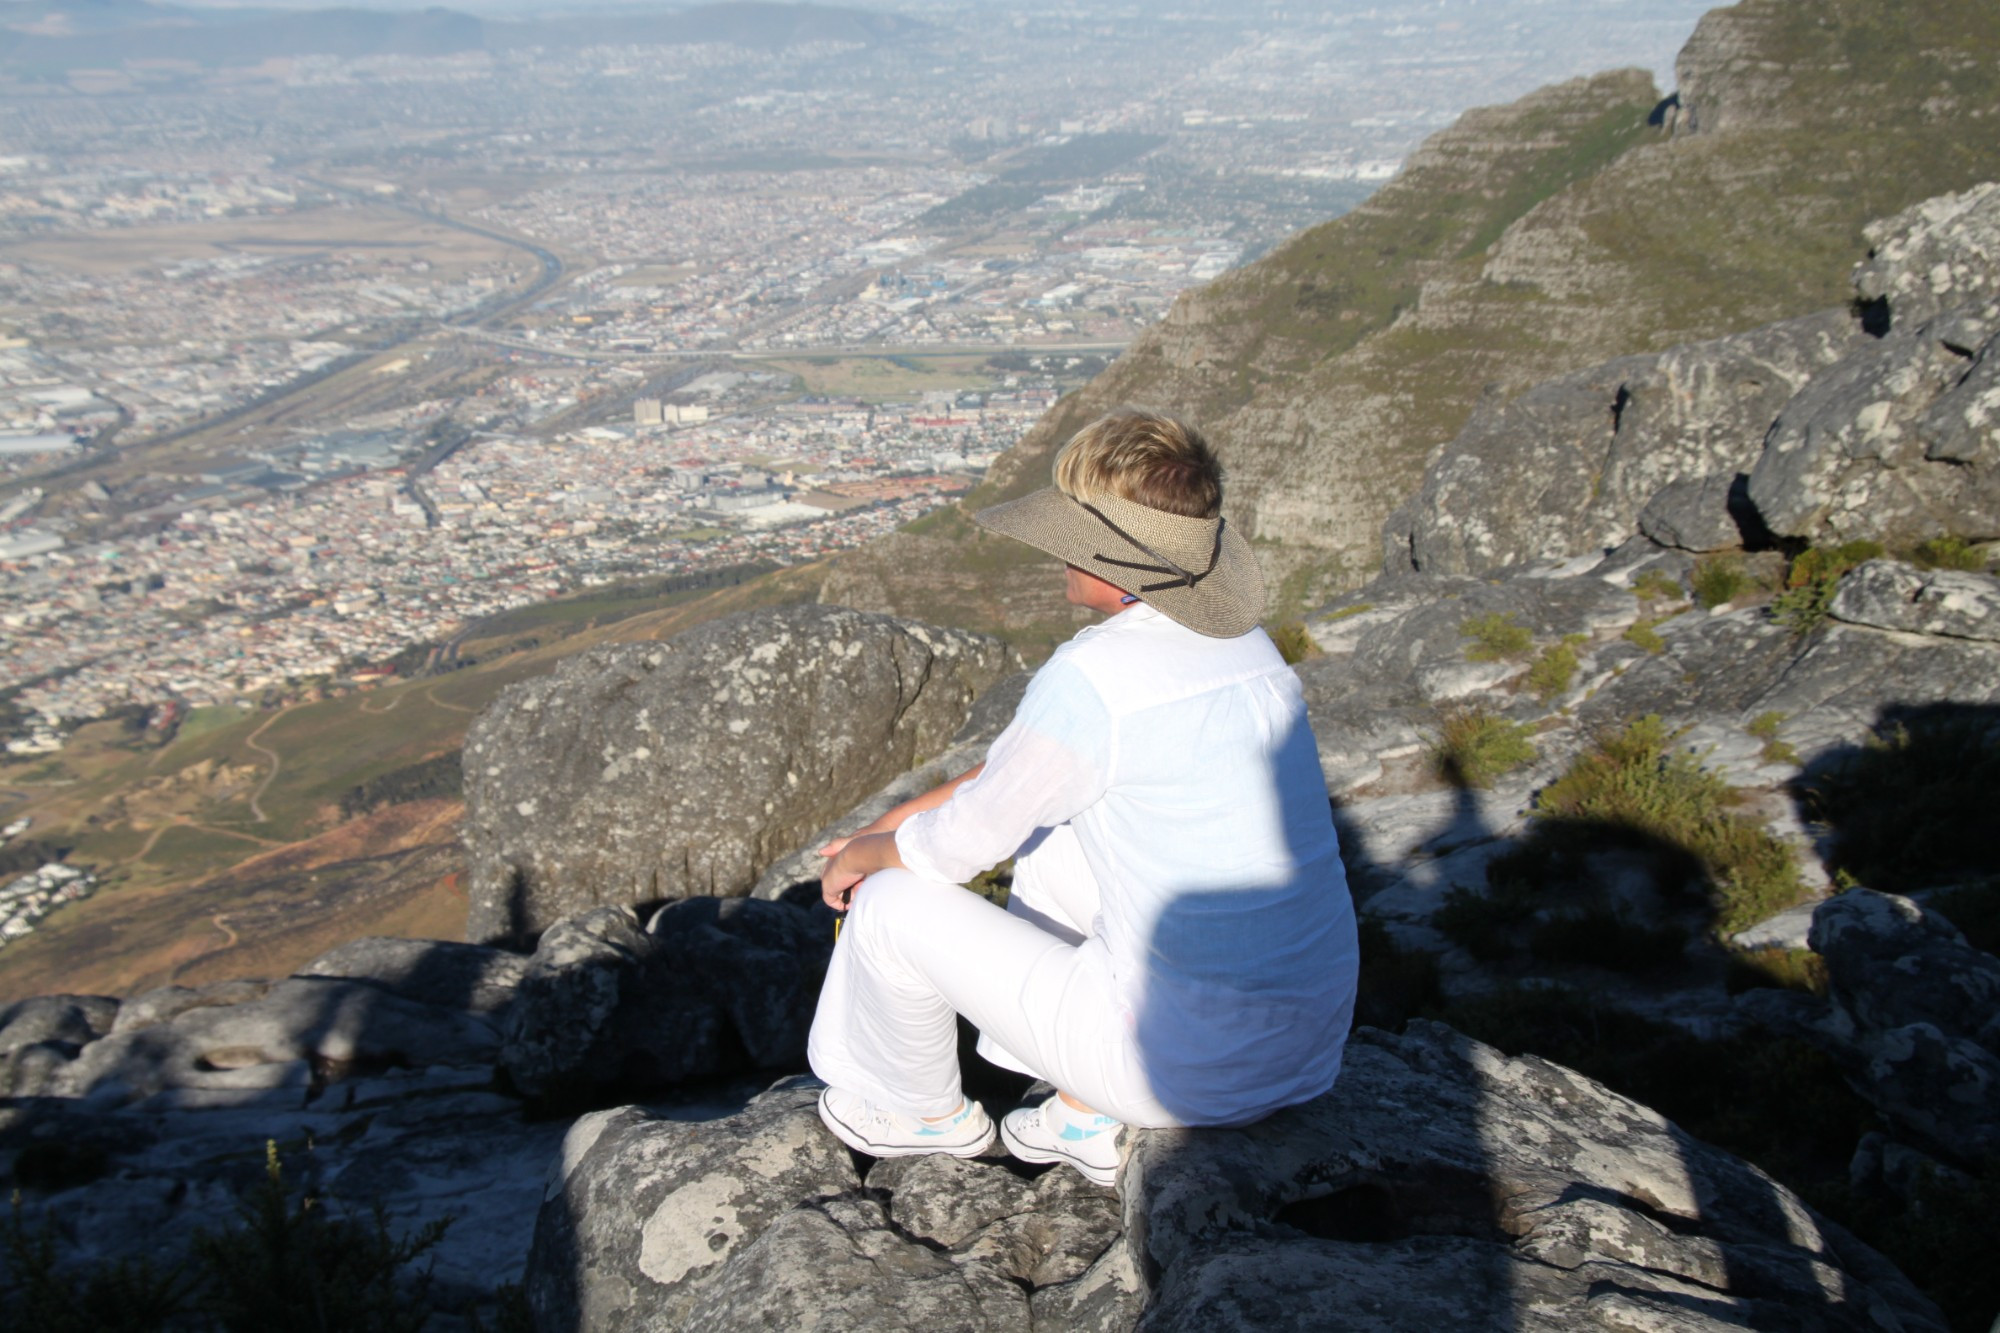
1033 979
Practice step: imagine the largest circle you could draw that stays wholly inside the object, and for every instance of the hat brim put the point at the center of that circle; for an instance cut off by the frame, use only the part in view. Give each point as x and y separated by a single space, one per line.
1228 600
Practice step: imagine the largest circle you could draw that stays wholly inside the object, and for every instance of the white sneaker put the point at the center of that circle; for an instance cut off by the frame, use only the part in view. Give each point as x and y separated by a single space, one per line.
1053 1132
881 1132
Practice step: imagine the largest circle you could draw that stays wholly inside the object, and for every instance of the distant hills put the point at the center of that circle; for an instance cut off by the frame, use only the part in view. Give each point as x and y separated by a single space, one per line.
1585 221
52 37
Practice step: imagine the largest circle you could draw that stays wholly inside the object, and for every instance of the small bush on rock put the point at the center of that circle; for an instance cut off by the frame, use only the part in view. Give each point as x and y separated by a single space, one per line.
1601 936
1496 638
1642 634
1810 582
1656 585
1949 552
1550 674
1475 746
119 1296
1719 579
1294 644
1909 809
292 1264
1775 967
1629 781
1485 925
1765 728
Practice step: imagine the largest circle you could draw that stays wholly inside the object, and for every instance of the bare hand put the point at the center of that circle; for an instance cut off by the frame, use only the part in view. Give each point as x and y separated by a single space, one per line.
851 860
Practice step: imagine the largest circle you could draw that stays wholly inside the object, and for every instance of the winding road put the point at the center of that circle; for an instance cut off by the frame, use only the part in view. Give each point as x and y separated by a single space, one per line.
277 764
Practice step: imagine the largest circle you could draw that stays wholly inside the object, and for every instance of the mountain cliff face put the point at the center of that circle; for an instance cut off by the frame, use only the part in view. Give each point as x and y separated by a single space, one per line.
1583 222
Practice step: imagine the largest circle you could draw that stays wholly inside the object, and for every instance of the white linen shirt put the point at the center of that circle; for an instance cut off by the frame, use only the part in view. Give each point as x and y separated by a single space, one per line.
1189 773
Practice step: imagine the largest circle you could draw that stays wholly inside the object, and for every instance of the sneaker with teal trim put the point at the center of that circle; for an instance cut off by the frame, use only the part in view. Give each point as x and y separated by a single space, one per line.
1057 1132
881 1132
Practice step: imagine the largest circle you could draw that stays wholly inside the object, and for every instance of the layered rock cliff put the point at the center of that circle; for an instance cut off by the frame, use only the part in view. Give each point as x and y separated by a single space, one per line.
1581 223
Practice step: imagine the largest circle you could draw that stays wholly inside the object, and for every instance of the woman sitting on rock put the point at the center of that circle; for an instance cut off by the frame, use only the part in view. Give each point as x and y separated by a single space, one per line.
1179 945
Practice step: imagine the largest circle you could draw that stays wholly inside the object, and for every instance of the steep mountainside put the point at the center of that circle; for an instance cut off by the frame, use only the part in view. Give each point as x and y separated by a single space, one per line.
1583 222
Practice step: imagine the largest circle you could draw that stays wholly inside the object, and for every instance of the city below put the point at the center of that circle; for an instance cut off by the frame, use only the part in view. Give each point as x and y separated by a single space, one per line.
310 363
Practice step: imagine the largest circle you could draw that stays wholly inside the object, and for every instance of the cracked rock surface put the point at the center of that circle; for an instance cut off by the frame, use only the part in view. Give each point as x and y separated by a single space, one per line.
643 773
1440 1184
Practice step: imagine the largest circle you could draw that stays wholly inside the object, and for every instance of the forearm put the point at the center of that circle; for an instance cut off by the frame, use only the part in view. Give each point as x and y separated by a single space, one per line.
930 800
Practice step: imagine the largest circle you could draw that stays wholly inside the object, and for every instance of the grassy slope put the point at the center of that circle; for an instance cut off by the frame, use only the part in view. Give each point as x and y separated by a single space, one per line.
1523 242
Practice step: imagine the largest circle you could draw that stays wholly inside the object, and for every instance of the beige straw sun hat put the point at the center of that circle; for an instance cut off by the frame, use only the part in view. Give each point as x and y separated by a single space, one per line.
1198 571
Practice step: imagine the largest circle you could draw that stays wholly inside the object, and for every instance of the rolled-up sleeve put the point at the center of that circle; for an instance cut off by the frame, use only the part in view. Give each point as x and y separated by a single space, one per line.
1053 761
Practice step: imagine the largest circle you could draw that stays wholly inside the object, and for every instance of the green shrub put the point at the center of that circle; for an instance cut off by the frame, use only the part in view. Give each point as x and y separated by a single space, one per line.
1344 612
1642 634
1602 936
1475 746
1485 925
1908 809
1765 728
1294 643
1718 579
1810 582
294 1264
995 885
1657 585
117 1296
291 1264
1949 552
1550 674
1775 968
1628 782
1496 637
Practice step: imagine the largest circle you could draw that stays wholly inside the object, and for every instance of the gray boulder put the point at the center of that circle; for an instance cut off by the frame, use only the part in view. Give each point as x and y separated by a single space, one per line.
641 1213
798 872
1698 513
304 1030
1934 256
436 972
1440 1184
1899 442
1571 467
1887 594
651 772
162 1003
712 986
73 1021
1916 1017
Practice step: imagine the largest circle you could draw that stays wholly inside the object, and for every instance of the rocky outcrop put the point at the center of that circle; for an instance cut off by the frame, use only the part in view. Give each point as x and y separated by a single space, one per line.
1897 443
1808 429
1583 463
710 987
1523 243
1887 594
652 772
1934 257
1915 1016
1522 1196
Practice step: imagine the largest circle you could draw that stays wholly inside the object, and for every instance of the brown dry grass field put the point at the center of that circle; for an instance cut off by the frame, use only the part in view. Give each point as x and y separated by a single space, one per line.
903 375
198 888
366 233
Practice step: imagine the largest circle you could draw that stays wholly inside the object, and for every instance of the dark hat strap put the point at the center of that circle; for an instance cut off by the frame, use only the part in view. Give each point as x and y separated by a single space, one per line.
1182 578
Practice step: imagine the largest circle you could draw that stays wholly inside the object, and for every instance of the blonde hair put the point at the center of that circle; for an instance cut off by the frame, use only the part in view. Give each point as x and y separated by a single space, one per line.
1143 457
